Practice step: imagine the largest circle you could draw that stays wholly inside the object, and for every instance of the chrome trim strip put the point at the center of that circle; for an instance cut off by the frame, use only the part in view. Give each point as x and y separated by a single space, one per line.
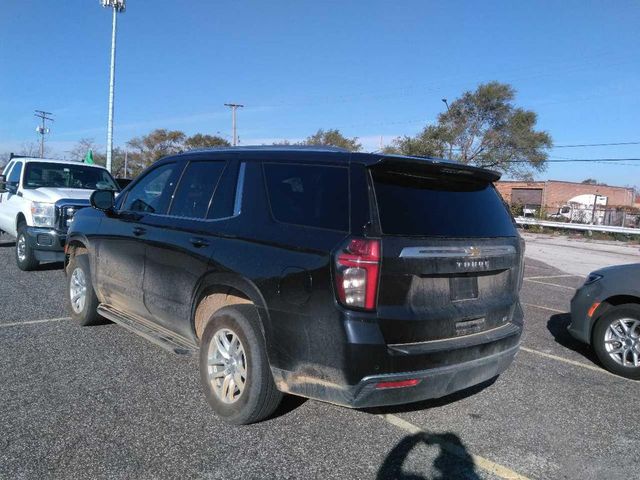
469 251
237 206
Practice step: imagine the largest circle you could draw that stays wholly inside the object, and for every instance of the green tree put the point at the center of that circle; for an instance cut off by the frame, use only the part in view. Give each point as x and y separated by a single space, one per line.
486 129
332 137
200 140
151 147
590 181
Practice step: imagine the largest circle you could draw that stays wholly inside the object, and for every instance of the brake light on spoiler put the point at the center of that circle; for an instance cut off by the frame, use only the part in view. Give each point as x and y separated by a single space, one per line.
357 269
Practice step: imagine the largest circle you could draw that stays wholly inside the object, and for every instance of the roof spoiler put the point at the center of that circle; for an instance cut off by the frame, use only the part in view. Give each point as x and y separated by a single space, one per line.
435 165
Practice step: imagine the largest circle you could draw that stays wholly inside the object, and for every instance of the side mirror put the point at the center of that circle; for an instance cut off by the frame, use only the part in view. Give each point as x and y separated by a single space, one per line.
103 200
3 184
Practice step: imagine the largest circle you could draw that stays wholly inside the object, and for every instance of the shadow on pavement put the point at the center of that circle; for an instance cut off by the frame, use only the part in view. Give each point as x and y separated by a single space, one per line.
453 460
434 402
557 326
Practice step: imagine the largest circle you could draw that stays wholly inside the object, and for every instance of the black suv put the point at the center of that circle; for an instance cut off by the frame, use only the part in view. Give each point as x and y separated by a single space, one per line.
358 279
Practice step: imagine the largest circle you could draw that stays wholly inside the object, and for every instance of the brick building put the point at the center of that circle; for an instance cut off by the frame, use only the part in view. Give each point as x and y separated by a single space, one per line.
553 194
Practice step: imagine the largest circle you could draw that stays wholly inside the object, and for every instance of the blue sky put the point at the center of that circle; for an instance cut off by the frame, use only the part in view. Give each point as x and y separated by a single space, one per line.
370 68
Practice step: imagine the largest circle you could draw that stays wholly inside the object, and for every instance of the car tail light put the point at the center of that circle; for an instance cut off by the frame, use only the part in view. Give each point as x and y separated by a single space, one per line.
357 269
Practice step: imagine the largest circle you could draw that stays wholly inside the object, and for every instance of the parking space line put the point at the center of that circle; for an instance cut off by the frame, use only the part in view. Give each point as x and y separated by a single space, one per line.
551 284
30 322
555 310
570 362
552 276
456 450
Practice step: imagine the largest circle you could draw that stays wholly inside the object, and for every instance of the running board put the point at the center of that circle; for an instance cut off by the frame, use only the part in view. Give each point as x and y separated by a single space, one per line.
161 336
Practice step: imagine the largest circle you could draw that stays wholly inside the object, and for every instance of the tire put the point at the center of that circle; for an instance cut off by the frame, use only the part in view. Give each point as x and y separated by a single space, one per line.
25 256
84 313
606 341
259 397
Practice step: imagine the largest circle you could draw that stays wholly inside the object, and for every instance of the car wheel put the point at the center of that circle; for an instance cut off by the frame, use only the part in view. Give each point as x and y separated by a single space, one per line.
82 299
234 368
25 256
616 340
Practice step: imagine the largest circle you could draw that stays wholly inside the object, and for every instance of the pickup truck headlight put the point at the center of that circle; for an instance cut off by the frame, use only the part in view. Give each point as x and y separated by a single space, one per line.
43 214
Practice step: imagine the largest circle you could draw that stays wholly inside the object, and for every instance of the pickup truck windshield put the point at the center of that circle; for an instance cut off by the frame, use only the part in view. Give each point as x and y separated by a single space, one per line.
57 175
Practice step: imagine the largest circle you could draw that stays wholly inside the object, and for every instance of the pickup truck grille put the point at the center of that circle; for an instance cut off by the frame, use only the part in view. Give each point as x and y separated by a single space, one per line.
65 213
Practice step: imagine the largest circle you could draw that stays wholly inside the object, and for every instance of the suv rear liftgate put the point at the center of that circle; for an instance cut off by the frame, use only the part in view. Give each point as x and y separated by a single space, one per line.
447 314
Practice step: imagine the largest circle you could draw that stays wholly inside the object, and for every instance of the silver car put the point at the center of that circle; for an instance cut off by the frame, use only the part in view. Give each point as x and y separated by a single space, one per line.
605 313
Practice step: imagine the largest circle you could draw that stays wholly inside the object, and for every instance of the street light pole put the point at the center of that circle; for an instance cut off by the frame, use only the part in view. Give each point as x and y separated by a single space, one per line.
234 107
117 6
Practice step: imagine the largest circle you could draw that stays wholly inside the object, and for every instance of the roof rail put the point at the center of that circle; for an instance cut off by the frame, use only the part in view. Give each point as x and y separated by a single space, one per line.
317 148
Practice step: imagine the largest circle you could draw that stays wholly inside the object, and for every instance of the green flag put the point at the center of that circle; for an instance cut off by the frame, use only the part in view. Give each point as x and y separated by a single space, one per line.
89 158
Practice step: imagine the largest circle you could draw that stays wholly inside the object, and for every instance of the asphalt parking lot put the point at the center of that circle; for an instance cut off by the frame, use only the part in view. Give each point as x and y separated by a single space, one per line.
100 402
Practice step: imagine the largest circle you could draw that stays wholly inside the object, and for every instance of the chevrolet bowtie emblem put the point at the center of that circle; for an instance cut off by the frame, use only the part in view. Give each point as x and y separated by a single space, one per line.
474 251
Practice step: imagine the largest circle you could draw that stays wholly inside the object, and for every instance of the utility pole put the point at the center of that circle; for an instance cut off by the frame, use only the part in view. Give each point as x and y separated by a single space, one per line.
234 107
117 6
42 129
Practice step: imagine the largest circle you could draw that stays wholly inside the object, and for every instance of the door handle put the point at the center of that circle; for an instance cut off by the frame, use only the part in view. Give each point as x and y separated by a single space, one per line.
138 231
199 242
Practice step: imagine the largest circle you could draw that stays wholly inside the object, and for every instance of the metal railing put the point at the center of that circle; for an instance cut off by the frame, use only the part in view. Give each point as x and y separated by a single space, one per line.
577 226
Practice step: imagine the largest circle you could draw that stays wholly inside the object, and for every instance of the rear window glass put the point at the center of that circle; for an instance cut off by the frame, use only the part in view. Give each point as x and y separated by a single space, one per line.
196 187
422 205
315 196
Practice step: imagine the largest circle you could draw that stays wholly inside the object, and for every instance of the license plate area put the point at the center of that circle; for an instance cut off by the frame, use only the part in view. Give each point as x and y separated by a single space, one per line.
463 287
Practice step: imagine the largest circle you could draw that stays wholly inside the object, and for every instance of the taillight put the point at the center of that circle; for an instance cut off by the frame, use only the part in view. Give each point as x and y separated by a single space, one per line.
357 269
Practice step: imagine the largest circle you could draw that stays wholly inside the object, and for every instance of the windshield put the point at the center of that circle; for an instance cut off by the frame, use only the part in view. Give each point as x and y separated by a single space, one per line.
415 204
57 175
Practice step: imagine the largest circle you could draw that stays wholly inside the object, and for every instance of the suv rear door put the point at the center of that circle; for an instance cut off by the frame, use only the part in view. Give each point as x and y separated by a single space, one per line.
450 253
181 243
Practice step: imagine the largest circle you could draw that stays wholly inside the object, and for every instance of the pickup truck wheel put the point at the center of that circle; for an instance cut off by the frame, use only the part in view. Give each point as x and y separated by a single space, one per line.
25 256
616 340
234 368
82 299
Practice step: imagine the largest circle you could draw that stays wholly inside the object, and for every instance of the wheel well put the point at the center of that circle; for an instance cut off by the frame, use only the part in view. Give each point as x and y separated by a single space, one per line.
74 248
621 299
213 300
20 220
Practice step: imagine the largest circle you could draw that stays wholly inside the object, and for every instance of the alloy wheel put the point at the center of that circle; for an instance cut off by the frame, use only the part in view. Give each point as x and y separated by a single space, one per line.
78 290
227 365
622 342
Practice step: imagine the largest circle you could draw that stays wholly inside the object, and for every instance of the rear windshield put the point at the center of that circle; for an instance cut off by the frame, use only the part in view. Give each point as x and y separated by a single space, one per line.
66 175
413 204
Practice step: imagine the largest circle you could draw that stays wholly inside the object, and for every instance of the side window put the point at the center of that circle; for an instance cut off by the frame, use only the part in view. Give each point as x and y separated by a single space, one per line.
152 192
315 196
7 168
196 187
14 176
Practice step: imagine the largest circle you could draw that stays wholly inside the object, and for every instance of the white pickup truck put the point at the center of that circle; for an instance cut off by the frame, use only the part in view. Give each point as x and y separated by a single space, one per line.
38 198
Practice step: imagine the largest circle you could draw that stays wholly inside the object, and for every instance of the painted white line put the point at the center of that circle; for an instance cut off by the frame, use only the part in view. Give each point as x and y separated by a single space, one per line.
550 284
571 362
551 276
544 308
31 322
456 450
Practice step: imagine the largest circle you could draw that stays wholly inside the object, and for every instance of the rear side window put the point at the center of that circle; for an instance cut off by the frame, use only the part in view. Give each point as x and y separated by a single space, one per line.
152 192
314 196
196 187
412 204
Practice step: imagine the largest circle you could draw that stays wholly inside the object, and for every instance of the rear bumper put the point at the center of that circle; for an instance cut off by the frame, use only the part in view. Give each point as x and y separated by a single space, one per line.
433 383
47 243
364 361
